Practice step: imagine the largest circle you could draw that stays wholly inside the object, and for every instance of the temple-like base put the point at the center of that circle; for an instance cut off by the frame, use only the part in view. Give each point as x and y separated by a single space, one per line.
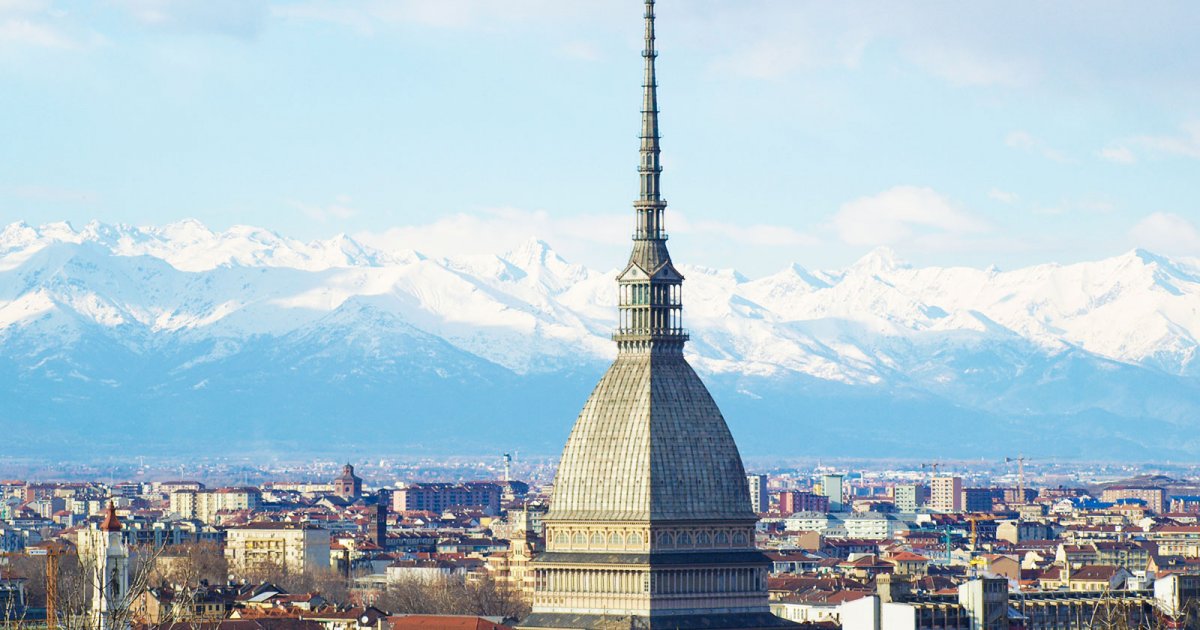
737 621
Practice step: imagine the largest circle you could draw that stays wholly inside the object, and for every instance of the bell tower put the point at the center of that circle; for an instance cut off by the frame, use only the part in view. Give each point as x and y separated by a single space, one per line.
110 579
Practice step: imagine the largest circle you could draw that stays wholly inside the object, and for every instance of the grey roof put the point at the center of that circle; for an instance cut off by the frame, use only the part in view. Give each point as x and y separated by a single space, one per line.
650 444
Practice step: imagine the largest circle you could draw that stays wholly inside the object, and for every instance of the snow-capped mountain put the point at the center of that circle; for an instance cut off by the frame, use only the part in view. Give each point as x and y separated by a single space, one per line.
169 331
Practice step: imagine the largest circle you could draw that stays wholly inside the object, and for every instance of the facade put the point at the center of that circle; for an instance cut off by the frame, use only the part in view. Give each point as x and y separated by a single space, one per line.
909 497
204 504
294 547
945 494
348 485
977 500
650 523
833 487
797 501
760 499
1154 498
438 497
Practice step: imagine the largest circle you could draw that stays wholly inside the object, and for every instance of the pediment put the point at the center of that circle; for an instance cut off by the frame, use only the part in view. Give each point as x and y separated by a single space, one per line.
633 272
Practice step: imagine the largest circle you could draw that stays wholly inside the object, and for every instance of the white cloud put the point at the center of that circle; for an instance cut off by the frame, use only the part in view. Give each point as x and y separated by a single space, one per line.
53 194
1003 196
1025 141
339 210
755 234
368 16
1167 233
969 68
236 18
597 240
900 214
1187 144
27 32
581 50
1118 154
591 239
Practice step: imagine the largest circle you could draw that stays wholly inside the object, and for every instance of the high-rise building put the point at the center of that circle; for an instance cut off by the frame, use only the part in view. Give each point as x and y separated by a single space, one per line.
832 486
438 497
909 497
945 494
760 499
793 501
205 504
977 500
292 548
650 524
1153 497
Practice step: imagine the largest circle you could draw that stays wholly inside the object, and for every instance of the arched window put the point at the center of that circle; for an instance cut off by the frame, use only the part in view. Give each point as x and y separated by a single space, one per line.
665 539
722 539
634 540
739 539
580 540
684 539
703 539
597 541
615 540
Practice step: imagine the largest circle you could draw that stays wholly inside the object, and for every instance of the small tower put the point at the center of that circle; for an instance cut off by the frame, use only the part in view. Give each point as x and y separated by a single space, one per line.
110 581
349 485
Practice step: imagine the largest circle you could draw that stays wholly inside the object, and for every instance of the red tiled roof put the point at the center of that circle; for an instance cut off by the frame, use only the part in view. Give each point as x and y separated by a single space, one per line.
443 622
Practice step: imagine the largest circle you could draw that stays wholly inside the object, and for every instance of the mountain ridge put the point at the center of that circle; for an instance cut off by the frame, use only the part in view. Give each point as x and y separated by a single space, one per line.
129 321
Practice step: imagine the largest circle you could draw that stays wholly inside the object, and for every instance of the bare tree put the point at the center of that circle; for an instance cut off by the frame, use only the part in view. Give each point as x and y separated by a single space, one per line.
452 596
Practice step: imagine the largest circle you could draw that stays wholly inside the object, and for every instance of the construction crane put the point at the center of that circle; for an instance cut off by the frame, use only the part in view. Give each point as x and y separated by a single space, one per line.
931 465
974 520
52 551
1020 459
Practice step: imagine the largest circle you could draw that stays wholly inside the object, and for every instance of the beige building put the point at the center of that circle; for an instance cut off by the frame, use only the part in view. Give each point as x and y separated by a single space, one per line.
293 547
945 494
1154 498
205 504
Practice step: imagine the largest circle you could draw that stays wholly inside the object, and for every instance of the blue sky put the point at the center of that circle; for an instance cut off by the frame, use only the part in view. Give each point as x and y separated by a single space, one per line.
956 133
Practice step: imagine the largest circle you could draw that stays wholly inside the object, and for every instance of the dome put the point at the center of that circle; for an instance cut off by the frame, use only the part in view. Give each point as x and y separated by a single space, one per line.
650 444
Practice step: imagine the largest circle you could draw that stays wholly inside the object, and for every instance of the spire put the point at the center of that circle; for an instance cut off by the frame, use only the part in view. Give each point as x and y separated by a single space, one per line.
651 308
650 168
111 522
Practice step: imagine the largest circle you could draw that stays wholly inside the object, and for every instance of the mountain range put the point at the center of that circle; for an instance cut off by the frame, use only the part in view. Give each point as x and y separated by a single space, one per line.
178 339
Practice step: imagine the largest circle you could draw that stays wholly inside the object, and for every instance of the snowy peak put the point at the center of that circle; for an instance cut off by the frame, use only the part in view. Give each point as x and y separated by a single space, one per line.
529 306
189 245
879 260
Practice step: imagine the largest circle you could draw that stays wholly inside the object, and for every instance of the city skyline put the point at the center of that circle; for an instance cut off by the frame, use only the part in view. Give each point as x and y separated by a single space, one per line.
1035 138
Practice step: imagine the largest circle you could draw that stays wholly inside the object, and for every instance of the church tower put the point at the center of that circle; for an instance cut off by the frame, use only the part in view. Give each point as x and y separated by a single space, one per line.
650 523
110 581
